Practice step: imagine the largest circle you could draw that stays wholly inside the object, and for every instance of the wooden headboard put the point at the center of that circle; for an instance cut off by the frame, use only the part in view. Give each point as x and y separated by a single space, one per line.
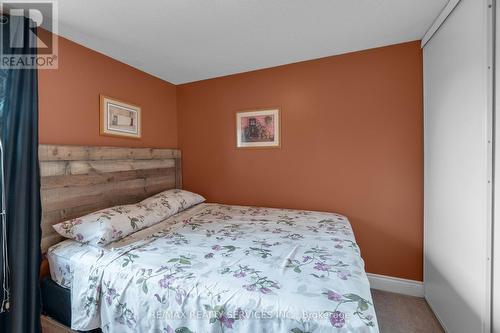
78 180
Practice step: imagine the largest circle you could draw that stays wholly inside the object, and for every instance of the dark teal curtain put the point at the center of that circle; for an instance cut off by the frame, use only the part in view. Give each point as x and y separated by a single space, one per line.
19 134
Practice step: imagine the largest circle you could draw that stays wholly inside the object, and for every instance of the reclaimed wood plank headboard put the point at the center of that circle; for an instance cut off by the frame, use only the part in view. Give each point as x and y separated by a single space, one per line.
77 180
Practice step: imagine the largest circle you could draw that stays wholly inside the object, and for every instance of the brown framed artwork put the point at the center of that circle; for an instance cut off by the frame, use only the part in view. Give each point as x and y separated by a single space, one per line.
118 118
258 128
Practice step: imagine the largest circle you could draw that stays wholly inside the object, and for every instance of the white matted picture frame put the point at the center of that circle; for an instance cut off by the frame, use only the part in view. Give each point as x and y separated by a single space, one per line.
118 118
258 128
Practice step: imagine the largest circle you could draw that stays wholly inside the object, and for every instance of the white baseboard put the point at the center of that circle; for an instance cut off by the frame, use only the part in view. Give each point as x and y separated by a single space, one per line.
437 315
396 285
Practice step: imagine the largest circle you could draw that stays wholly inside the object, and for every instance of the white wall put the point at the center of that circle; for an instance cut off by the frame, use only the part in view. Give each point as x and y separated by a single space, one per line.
457 170
496 234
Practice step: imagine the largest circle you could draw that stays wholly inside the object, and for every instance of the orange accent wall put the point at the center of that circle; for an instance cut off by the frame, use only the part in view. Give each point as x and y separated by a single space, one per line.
352 137
69 100
352 142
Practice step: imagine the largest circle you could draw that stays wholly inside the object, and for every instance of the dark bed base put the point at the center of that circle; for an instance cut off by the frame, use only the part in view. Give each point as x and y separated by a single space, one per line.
56 302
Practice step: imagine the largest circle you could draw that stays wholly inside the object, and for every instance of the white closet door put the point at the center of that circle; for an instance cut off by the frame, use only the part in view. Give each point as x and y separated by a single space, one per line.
457 167
496 235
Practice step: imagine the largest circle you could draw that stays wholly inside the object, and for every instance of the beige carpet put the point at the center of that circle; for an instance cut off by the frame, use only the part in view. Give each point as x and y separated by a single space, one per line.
404 314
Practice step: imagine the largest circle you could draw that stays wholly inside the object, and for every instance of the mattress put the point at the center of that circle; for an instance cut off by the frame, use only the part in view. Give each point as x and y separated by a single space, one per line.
64 256
215 268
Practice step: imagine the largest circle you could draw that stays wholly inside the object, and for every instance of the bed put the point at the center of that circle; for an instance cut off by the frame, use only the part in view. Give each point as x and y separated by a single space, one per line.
219 268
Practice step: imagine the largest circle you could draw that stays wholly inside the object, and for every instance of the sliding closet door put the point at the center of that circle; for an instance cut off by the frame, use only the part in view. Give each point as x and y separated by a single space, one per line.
457 170
496 222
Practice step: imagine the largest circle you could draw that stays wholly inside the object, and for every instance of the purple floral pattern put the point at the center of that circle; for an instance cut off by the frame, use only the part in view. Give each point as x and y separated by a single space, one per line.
112 224
229 263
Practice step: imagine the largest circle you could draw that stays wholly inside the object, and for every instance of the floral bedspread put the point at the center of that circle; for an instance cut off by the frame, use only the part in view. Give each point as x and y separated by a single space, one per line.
219 268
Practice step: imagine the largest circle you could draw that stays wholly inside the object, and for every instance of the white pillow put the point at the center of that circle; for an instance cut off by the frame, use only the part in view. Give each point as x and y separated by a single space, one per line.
171 202
112 224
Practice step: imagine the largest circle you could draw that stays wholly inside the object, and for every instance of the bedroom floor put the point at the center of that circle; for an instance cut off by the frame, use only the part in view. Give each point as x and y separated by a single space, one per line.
404 314
396 314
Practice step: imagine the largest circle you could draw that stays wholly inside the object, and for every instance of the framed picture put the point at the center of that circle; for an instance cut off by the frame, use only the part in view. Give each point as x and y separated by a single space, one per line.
258 129
118 118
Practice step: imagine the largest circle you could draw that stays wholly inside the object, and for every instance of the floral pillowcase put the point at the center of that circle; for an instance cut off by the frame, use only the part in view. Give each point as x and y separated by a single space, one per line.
112 224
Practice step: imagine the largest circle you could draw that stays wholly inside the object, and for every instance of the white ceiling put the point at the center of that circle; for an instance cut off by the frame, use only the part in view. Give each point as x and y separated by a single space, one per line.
188 40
